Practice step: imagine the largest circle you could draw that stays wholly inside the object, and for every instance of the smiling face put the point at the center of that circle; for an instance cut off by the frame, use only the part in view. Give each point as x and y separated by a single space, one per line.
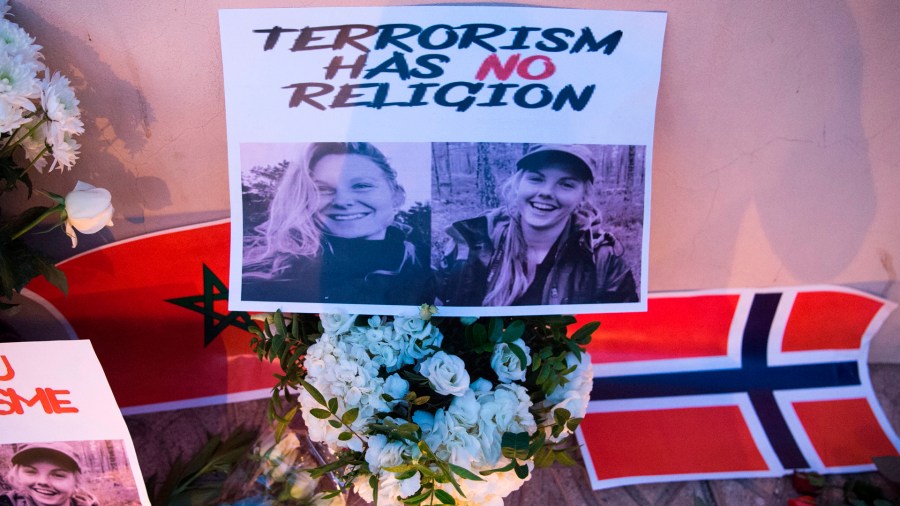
47 483
547 197
356 200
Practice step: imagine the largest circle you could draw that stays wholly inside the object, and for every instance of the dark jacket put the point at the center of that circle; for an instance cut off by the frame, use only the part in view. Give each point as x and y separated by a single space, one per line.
351 271
578 273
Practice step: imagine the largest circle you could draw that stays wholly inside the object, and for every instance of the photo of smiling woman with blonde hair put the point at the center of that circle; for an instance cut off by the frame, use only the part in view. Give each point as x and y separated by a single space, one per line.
545 245
333 234
46 474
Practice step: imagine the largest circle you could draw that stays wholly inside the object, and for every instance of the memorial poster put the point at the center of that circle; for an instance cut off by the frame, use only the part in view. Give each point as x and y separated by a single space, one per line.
487 160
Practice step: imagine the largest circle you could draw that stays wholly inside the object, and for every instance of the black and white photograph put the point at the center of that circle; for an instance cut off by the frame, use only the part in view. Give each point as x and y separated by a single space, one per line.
518 224
489 228
66 473
337 222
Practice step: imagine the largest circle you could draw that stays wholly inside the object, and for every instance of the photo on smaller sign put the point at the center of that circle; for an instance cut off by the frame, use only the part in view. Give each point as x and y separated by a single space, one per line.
474 228
78 473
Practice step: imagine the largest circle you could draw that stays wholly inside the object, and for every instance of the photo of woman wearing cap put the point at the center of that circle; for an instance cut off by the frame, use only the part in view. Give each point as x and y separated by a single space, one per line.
332 234
46 474
544 245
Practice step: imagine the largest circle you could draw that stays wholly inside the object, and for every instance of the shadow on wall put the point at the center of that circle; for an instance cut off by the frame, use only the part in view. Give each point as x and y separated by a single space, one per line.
760 117
117 121
817 207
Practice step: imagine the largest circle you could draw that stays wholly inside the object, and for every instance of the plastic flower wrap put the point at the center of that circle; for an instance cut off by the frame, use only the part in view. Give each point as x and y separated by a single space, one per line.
422 411
39 123
280 471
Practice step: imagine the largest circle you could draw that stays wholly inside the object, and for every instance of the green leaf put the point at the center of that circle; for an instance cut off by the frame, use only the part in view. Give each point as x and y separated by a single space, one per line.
321 413
406 474
573 423
503 469
350 416
561 415
583 335
563 457
402 468
345 436
464 473
421 400
423 447
416 499
444 497
314 393
495 330
521 471
514 331
520 354
334 423
479 333
333 405
55 276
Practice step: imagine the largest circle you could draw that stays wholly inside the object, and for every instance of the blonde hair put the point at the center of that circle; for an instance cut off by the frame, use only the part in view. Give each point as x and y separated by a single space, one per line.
514 273
292 230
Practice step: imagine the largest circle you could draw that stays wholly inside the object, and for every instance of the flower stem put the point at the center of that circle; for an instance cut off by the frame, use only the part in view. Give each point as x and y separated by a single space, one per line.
33 160
9 142
39 219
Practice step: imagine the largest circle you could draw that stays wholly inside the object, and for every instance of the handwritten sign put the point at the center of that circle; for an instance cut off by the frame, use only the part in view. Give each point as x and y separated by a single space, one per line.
56 404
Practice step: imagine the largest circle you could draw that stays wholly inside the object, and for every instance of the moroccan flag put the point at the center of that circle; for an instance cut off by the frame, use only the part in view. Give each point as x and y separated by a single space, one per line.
735 384
156 311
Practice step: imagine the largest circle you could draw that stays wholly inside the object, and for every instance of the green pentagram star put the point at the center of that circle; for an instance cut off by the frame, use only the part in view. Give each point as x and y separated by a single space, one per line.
213 323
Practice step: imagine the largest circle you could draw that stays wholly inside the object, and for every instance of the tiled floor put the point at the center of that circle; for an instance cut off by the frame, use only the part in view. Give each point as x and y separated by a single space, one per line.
162 437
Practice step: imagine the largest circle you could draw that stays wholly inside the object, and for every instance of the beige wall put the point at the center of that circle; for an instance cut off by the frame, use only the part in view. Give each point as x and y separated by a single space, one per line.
777 151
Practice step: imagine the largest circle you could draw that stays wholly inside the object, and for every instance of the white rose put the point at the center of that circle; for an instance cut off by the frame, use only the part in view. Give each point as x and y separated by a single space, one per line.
465 409
88 209
507 365
420 345
382 453
445 373
337 323
417 328
396 387
424 420
481 385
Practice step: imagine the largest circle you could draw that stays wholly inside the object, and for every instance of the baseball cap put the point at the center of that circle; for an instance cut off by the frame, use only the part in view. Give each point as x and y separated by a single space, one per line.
59 451
540 154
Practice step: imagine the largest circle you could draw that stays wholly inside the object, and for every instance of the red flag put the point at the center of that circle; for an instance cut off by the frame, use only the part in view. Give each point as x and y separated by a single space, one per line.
155 310
735 384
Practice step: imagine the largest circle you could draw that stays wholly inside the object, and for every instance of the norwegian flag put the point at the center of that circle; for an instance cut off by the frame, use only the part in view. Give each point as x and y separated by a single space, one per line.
735 384
155 308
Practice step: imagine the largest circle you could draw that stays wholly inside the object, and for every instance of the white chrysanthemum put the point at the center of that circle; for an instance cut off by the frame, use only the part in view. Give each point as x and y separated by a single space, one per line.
11 116
15 41
65 152
61 107
19 84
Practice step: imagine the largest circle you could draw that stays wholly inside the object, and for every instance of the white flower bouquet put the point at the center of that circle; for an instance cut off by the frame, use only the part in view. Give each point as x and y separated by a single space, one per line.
39 120
420 410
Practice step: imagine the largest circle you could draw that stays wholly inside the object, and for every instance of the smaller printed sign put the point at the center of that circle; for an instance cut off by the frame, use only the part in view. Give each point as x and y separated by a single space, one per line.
58 418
